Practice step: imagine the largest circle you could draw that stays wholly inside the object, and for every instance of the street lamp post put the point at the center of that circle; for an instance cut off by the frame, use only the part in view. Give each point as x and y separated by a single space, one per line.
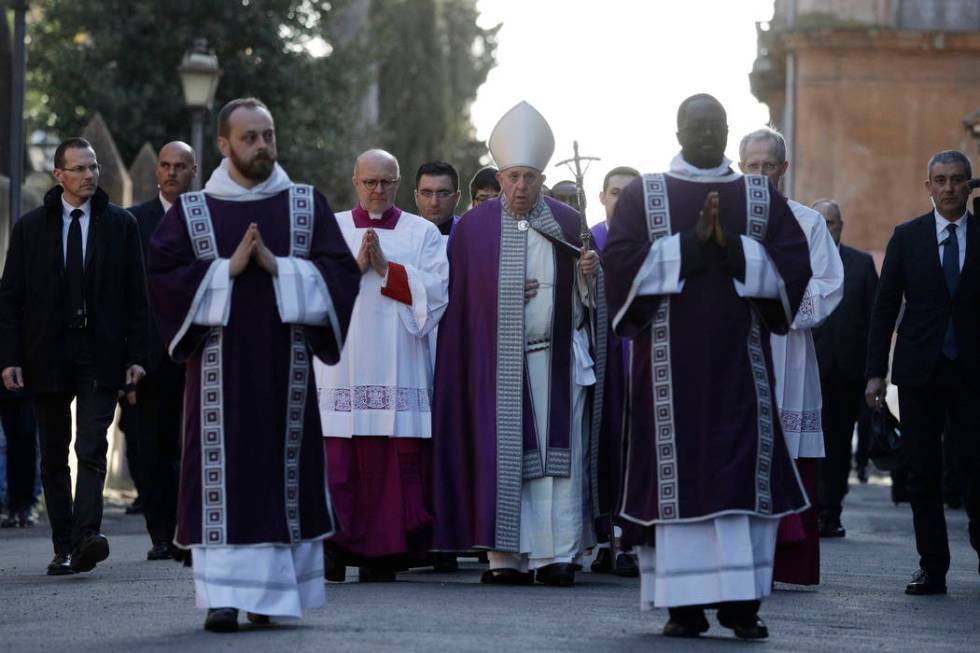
17 110
199 74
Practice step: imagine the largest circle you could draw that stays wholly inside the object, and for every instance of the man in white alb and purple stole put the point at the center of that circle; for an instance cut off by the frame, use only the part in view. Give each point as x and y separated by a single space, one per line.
515 413
702 265
375 403
249 280
794 357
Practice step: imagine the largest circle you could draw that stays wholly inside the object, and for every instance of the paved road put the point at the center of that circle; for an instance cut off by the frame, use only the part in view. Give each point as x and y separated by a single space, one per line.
129 603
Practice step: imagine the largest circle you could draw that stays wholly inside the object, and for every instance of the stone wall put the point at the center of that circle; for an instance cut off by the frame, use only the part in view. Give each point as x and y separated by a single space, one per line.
871 109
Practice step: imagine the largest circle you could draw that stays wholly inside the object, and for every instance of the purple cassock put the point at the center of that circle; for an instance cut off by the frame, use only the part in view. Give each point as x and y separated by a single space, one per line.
252 470
484 437
610 459
703 438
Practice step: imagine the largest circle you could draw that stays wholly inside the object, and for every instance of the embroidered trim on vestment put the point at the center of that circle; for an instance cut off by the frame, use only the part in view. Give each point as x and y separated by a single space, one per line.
510 382
300 238
214 529
375 397
756 225
795 421
657 209
199 226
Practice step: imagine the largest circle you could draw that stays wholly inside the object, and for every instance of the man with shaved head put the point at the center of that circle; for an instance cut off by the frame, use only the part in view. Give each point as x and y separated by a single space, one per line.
153 423
841 345
374 403
250 279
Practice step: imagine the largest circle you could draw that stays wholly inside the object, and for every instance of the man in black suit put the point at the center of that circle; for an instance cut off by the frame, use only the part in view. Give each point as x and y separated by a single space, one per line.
841 343
933 263
158 410
73 327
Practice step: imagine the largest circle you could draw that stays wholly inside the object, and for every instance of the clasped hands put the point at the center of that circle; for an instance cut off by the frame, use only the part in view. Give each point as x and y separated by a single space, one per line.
371 254
252 247
708 226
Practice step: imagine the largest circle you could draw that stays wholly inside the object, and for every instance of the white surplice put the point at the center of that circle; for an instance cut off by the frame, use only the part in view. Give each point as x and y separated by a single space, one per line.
794 357
382 383
556 521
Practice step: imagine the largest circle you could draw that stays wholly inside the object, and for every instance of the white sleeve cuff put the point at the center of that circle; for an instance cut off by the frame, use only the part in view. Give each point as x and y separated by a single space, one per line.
660 273
762 280
214 307
302 296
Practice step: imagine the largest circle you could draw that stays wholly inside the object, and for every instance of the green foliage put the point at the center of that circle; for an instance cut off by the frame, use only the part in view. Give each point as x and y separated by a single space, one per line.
432 57
120 58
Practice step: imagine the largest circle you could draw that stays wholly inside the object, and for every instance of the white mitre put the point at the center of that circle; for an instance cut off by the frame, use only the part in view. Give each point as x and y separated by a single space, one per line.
522 138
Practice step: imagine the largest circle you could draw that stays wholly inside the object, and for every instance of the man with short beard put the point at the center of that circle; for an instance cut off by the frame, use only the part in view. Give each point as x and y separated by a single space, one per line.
249 280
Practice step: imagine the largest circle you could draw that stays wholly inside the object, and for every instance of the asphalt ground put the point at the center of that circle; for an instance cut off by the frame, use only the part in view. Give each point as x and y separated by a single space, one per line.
129 603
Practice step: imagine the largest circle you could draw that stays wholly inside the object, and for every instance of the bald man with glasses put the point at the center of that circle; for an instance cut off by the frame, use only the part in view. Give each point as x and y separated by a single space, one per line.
375 403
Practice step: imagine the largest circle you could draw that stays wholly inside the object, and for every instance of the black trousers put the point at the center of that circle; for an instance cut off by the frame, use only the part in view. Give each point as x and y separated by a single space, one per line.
948 398
71 520
841 406
160 397
21 432
128 424
863 435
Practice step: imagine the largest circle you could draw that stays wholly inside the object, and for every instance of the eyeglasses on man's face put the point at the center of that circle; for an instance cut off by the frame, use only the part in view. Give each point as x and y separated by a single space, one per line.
442 194
94 168
385 184
764 168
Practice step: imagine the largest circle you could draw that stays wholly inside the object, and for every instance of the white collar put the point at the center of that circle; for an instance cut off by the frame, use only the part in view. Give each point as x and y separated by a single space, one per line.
86 208
164 202
223 187
942 223
680 167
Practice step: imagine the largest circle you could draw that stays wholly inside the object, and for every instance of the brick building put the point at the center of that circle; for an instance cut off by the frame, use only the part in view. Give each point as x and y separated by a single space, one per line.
866 91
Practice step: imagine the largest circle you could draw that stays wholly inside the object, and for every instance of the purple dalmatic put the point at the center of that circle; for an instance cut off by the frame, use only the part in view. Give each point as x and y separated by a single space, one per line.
252 470
485 445
610 459
703 435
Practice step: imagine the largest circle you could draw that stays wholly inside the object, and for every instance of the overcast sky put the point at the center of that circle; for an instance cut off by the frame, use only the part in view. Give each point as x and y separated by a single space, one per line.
612 73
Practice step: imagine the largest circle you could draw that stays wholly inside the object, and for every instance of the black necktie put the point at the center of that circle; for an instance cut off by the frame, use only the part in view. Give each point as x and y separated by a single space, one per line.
951 270
76 273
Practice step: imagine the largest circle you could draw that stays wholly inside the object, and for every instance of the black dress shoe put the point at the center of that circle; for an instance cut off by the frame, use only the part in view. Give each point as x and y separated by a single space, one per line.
160 552
626 566
746 627
92 550
60 565
507 577
258 619
334 571
678 628
603 563
135 508
862 473
445 563
831 527
924 584
375 575
557 574
221 620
